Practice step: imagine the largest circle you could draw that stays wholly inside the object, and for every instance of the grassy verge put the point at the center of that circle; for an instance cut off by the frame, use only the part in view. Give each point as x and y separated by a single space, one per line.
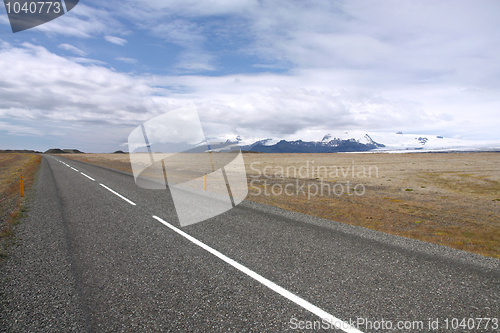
12 206
446 220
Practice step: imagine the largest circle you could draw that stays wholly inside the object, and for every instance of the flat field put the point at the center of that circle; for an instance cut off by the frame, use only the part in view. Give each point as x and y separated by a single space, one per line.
12 166
451 199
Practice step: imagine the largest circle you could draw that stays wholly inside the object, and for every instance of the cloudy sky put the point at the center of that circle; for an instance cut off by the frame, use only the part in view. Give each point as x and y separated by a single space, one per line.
254 68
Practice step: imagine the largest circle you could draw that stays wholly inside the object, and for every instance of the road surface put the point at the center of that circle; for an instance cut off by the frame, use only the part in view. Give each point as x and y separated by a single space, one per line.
99 254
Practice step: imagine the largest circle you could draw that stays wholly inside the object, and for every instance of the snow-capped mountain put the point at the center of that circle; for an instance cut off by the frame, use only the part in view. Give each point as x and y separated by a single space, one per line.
399 142
357 141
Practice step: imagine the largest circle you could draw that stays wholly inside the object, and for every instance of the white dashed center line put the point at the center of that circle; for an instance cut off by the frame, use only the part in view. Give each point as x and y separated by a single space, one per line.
75 169
118 194
92 179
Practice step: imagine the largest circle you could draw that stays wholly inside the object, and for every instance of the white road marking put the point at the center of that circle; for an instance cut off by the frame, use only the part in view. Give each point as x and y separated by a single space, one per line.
118 194
332 320
75 169
92 179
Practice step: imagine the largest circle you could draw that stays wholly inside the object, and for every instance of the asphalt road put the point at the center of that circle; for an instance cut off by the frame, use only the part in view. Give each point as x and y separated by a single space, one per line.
99 254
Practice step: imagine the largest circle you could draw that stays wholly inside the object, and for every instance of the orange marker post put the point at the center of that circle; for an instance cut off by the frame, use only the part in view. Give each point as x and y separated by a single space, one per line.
22 186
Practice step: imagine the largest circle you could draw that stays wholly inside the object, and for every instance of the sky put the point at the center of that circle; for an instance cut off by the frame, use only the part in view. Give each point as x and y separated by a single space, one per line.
253 68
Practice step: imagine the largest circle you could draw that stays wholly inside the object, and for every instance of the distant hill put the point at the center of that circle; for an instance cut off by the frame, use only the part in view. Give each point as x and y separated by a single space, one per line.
24 151
73 151
63 151
120 152
55 151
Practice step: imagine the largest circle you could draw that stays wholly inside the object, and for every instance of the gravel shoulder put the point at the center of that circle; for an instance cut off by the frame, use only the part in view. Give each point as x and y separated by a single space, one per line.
38 290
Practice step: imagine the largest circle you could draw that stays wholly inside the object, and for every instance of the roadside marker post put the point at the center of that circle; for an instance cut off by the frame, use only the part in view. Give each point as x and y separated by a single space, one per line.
22 186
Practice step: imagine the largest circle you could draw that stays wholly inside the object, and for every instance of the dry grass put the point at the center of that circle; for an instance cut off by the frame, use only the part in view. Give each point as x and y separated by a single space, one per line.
12 166
450 199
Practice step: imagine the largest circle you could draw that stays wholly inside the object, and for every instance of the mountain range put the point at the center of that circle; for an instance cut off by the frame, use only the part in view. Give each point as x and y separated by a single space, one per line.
357 141
326 145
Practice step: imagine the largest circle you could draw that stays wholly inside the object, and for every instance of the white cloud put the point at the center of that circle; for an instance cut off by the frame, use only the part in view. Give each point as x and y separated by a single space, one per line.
48 87
4 19
181 32
127 60
195 66
188 35
188 8
116 40
13 129
406 39
71 48
87 61
195 61
82 22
